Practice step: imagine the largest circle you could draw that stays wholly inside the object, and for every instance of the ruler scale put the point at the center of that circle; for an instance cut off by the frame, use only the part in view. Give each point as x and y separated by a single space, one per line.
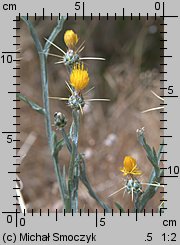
148 227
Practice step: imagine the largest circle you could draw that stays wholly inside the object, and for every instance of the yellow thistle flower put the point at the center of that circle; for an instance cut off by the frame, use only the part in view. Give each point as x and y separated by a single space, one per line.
130 167
70 39
79 77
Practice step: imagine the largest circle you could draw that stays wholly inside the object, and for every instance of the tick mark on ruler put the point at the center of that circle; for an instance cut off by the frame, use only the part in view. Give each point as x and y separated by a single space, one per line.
166 56
11 52
96 218
13 92
169 176
14 172
16 68
169 96
16 60
43 13
136 215
13 132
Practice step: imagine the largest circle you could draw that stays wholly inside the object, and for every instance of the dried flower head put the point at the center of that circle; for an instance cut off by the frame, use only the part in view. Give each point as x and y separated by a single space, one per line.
130 167
79 77
70 39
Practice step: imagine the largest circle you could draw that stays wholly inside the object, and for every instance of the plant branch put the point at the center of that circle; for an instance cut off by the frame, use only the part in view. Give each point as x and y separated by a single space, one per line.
83 175
33 105
73 179
43 65
53 35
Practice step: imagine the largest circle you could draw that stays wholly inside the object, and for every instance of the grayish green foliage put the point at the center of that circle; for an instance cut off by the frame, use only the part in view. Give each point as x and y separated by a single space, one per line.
33 105
77 167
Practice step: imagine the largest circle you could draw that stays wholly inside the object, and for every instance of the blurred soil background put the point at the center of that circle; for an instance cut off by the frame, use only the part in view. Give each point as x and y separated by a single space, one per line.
108 129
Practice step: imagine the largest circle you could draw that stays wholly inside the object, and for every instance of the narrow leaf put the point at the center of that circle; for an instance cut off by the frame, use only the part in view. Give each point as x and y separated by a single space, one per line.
118 206
155 156
33 105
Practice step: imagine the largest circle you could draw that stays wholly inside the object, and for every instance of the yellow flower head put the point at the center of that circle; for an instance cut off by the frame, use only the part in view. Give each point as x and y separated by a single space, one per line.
79 77
130 167
70 39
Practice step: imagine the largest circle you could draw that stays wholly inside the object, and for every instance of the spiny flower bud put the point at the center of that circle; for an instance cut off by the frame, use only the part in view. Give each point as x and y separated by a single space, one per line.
76 101
133 185
59 120
70 39
70 58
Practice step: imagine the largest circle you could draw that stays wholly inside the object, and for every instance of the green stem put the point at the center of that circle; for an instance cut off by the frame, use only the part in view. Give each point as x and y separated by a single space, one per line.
66 140
53 35
149 192
83 175
84 179
43 65
73 180
136 201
